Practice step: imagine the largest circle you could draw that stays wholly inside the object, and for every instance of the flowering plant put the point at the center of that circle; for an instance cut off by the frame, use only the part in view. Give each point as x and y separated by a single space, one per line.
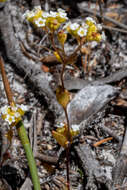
12 114
57 24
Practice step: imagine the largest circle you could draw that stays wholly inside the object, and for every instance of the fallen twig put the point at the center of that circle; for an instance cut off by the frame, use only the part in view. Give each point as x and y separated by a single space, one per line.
102 141
47 159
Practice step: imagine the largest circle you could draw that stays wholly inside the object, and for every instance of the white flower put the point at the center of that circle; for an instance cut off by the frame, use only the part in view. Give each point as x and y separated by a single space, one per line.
10 119
45 14
23 107
91 20
14 108
84 25
66 25
61 10
17 115
99 26
4 110
74 26
63 15
75 127
53 14
82 32
40 22
28 14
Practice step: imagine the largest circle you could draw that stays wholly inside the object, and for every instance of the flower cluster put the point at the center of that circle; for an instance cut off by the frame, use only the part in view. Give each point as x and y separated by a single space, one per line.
13 114
89 30
51 20
76 30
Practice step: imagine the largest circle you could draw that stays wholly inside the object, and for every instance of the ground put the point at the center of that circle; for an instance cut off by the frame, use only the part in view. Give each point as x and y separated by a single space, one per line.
98 105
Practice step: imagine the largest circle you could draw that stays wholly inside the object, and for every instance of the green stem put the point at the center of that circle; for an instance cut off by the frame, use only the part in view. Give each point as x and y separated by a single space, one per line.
29 154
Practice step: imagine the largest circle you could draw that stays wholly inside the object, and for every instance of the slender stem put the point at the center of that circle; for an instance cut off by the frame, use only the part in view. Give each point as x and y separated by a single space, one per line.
5 82
89 54
68 150
55 48
61 76
58 50
66 115
67 165
52 41
68 127
29 154
82 61
63 60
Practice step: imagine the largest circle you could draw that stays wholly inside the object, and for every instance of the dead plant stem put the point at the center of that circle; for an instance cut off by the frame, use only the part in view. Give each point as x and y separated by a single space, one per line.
5 82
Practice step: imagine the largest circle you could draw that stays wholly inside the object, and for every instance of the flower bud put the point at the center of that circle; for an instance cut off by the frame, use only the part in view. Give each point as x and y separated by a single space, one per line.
62 37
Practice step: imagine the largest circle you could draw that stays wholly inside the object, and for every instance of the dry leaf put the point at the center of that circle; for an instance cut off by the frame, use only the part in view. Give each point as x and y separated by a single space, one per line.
63 96
61 139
